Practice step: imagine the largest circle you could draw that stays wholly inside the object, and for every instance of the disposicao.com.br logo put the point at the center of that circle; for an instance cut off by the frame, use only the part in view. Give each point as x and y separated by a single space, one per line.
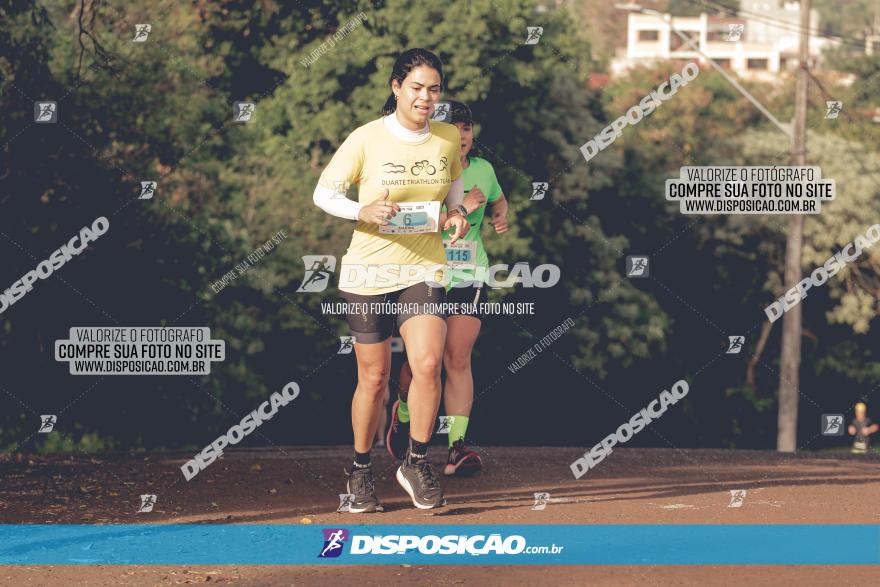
476 545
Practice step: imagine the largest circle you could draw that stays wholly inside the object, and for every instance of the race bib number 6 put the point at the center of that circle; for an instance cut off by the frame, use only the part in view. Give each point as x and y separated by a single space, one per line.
413 218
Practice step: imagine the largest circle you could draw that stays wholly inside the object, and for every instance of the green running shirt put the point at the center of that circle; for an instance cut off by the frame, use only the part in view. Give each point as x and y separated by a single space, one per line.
480 173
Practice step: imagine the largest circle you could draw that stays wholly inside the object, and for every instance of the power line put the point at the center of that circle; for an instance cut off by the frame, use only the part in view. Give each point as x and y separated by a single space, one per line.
782 24
846 113
767 19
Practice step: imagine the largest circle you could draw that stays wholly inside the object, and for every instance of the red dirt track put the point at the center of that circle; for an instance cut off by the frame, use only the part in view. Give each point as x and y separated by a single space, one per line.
295 485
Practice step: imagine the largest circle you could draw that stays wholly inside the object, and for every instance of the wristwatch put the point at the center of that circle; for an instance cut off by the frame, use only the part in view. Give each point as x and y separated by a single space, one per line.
462 210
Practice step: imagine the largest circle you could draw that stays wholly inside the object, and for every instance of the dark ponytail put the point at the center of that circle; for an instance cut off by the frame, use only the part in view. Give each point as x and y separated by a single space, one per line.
390 105
409 60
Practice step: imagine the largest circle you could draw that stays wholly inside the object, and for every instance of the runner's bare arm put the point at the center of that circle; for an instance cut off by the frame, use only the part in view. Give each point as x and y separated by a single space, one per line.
474 199
455 220
499 215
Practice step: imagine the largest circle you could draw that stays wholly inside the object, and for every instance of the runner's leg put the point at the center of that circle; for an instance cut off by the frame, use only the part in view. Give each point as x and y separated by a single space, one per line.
405 381
374 367
383 418
372 350
458 392
424 337
397 436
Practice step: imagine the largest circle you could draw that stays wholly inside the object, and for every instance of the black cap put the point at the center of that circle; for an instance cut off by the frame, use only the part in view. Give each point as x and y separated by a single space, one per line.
451 111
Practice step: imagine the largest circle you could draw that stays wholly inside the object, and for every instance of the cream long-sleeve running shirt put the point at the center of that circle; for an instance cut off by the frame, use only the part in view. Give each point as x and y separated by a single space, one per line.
415 167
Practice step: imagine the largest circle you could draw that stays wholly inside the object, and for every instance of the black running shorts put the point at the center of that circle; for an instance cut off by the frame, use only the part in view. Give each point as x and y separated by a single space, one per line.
467 301
372 318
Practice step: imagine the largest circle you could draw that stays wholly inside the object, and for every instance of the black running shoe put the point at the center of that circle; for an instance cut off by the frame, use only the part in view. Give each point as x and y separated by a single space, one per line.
419 480
397 439
360 484
462 460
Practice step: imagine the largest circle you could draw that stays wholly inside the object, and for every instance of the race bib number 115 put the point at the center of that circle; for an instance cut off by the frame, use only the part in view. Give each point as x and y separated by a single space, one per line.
460 254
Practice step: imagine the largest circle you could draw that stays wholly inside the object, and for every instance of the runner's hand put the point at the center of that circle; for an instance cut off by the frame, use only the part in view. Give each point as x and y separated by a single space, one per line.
474 200
459 223
380 211
499 221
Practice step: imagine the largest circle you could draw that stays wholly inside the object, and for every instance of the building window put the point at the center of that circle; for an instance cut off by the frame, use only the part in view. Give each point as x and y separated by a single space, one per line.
677 44
649 35
721 32
723 63
756 64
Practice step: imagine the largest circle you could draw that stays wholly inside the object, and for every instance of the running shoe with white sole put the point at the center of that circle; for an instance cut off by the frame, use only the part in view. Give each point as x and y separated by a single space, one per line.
397 439
360 484
462 460
419 480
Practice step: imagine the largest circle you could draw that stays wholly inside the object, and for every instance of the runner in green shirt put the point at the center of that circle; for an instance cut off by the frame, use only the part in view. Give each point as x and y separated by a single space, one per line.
463 327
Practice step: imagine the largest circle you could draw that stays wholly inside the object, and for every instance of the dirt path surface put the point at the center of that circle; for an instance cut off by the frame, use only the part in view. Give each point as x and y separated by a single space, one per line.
423 576
296 485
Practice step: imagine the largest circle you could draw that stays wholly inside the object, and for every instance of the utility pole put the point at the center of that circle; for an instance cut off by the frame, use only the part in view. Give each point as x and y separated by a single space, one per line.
790 362
874 35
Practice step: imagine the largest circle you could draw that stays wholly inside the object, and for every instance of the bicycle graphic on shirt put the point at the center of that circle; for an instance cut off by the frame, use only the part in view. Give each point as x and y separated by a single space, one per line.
423 165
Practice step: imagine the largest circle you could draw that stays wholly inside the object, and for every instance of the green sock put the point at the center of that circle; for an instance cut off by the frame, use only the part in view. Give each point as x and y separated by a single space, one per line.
403 412
458 428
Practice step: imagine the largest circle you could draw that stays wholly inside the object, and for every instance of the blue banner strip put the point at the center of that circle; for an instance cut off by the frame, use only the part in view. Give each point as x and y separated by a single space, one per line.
261 544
